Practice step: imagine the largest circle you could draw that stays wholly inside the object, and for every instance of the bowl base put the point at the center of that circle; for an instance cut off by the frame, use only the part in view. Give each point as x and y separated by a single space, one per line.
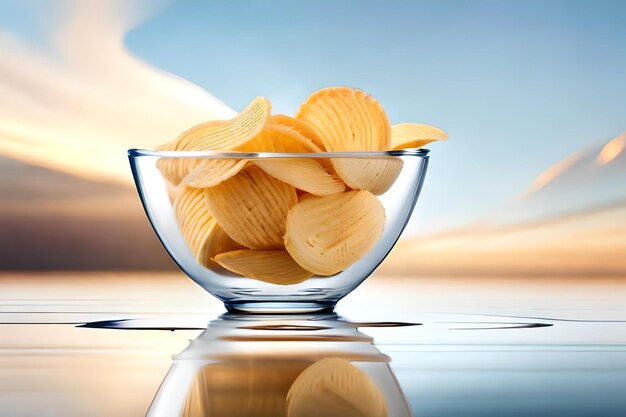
274 307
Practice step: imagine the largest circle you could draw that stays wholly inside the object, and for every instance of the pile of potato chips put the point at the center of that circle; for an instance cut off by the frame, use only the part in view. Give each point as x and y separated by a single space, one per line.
284 220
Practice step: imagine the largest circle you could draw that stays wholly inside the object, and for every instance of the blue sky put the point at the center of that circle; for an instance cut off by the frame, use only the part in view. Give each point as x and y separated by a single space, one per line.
518 85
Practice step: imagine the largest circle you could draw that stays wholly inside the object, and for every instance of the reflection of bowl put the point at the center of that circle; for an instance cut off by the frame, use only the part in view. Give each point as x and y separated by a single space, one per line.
247 365
398 197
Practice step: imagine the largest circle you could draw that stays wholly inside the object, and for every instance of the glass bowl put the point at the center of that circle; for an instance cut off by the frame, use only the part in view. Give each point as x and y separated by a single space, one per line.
241 293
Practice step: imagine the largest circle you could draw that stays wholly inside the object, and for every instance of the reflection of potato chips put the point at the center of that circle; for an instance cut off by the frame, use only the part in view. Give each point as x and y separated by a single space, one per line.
273 266
413 135
251 207
242 388
325 235
335 387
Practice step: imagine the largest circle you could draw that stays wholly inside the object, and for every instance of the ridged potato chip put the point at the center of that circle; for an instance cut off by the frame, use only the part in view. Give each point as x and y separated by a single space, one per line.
196 223
185 141
216 243
304 174
413 135
350 120
277 138
252 207
273 266
175 169
211 172
335 387
215 135
300 126
273 138
347 120
231 134
326 235
375 175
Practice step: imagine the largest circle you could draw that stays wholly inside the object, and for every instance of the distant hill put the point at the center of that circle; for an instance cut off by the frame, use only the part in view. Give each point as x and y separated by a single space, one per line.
50 220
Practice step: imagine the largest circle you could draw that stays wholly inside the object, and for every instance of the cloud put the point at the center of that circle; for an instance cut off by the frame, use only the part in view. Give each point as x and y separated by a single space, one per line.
78 106
573 222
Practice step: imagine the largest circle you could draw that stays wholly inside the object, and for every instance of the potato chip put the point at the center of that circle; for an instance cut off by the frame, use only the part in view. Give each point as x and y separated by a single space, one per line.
350 120
375 175
211 172
195 221
273 266
304 174
185 141
215 135
216 242
277 138
326 235
251 207
231 134
203 235
300 126
175 169
347 120
335 387
413 135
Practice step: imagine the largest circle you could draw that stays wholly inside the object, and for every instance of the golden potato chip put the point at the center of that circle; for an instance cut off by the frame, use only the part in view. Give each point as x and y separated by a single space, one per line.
347 120
251 207
204 237
300 126
304 174
375 175
185 141
303 195
211 172
335 387
216 242
231 134
413 135
350 120
273 266
215 135
277 138
195 221
175 169
326 235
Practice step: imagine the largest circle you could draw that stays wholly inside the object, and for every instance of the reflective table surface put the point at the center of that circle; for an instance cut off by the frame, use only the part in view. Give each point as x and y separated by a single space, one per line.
134 344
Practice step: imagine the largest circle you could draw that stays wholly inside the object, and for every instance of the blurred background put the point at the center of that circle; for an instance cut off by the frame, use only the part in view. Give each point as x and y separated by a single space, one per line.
532 181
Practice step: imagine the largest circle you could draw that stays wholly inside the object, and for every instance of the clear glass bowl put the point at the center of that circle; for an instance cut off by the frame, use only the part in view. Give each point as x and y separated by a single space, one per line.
240 293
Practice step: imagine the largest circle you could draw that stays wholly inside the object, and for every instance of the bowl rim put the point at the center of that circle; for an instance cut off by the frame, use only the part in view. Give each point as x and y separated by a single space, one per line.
134 153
